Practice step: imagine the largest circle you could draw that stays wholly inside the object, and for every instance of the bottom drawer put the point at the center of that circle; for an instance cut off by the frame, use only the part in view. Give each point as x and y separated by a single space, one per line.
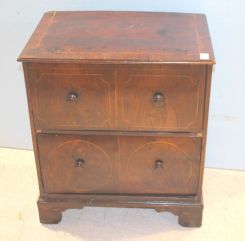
119 164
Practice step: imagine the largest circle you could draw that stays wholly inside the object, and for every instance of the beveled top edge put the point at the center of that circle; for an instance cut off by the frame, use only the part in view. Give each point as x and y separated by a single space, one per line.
40 31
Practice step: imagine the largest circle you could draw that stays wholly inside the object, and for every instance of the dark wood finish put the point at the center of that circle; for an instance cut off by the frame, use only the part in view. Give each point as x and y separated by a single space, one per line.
124 97
122 133
209 70
33 130
160 97
59 155
63 96
138 165
118 104
145 165
119 37
189 214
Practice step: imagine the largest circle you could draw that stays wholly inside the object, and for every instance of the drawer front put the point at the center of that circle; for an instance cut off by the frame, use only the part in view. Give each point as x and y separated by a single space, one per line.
122 97
94 164
73 96
167 97
157 165
78 164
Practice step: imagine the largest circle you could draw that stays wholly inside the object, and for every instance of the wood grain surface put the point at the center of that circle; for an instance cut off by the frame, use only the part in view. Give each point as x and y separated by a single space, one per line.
119 37
120 97
116 164
118 104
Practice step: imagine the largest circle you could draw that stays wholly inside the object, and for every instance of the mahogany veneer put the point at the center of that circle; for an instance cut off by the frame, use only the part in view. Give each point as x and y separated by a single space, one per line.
118 103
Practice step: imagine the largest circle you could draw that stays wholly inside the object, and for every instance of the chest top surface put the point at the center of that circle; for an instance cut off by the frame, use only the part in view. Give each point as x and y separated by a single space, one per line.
120 37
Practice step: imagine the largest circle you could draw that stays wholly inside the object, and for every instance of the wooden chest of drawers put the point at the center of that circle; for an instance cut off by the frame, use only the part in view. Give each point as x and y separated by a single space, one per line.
118 103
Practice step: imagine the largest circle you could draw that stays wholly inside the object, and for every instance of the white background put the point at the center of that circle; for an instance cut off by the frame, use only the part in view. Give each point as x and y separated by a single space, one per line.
226 145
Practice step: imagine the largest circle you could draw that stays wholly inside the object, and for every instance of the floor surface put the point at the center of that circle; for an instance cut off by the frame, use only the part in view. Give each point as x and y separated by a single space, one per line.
224 212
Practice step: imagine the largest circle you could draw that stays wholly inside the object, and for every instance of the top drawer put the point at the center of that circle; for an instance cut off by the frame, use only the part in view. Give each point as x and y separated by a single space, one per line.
121 97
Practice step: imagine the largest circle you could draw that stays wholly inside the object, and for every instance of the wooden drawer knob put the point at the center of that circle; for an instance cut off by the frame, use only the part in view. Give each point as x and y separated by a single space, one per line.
158 97
79 162
72 97
158 164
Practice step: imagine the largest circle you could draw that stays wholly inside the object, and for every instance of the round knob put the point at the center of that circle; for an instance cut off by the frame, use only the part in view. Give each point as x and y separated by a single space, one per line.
79 162
158 163
72 97
158 97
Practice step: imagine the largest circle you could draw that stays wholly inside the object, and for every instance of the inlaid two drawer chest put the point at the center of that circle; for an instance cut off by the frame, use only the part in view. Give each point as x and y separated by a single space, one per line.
118 103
